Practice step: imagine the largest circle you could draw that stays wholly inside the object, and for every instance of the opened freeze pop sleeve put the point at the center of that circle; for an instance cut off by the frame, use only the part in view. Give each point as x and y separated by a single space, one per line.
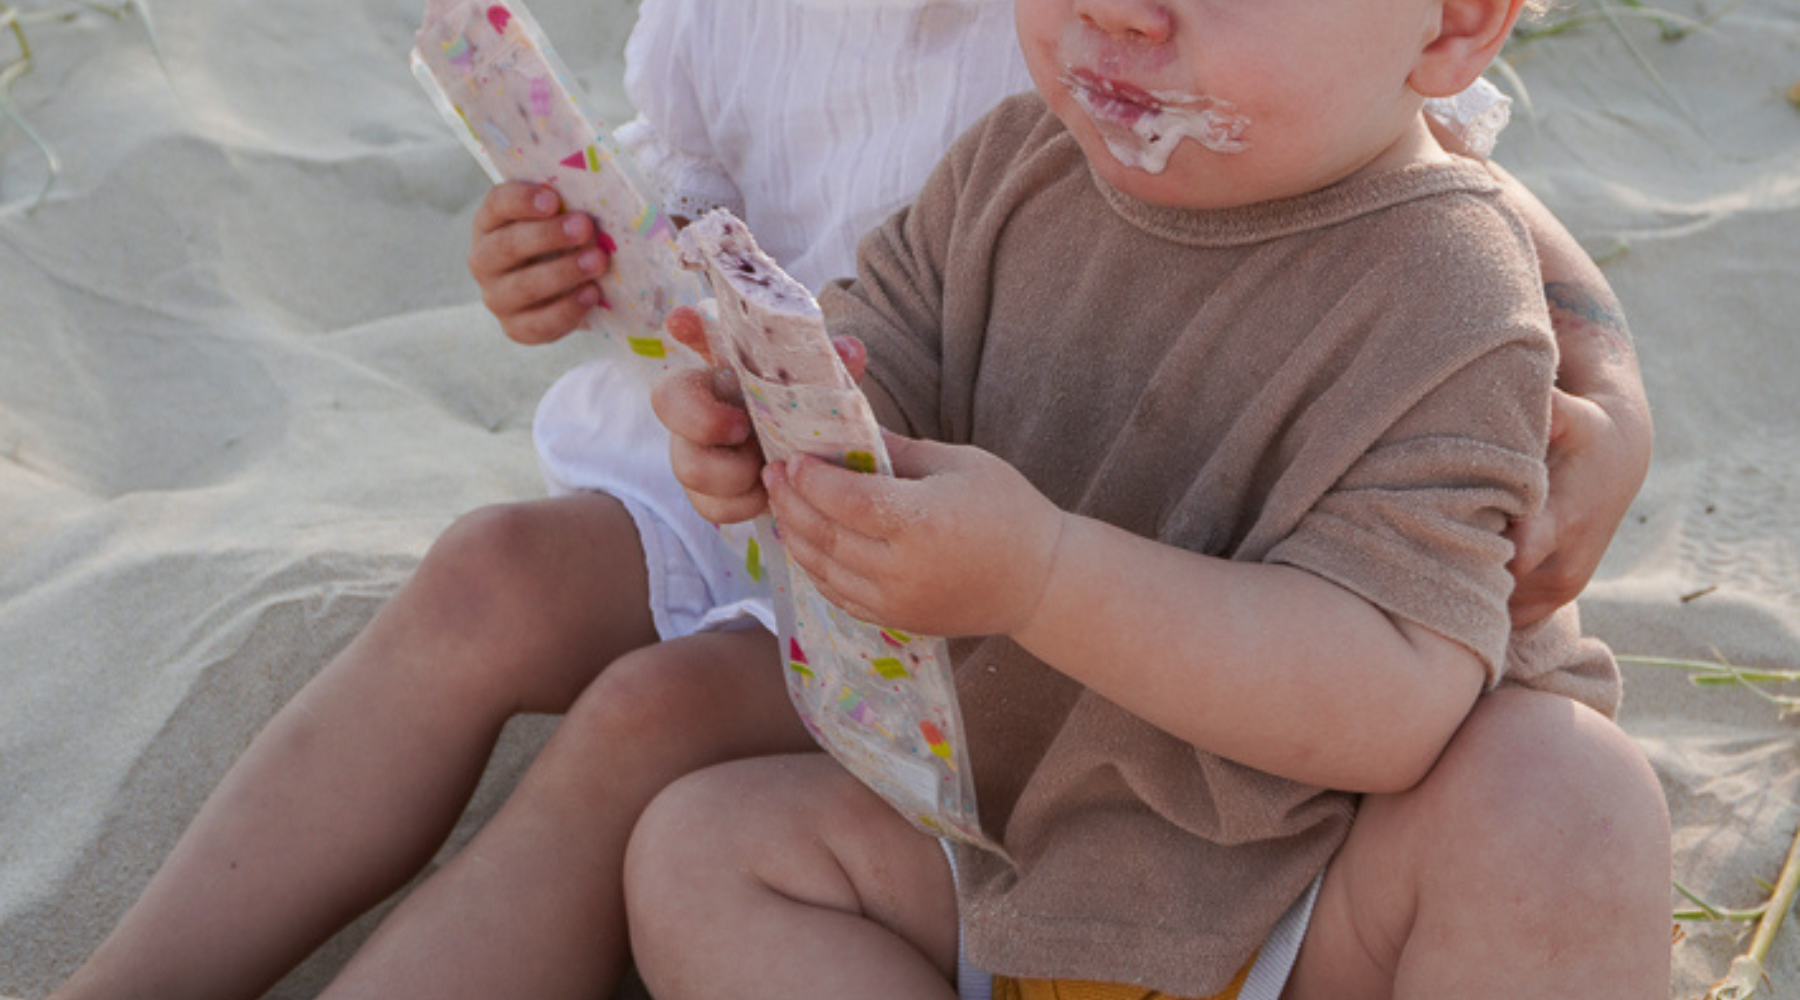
494 77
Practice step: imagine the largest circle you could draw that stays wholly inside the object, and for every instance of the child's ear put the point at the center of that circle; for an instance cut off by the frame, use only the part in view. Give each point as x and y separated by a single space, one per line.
1470 33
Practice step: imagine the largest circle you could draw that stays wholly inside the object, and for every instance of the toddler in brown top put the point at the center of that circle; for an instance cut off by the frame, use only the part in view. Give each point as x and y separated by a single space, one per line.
1221 383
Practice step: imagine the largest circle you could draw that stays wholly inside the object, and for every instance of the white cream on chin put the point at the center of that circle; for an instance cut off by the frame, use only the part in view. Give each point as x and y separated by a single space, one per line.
1144 136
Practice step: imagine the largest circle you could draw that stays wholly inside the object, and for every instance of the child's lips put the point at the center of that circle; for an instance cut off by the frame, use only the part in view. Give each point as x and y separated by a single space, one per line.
1141 127
1122 102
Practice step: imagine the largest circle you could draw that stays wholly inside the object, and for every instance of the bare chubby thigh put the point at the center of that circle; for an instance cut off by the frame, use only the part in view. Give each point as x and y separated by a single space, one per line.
1531 860
1355 932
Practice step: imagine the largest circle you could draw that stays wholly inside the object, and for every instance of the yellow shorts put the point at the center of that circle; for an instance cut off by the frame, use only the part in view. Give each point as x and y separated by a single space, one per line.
1007 988
1262 978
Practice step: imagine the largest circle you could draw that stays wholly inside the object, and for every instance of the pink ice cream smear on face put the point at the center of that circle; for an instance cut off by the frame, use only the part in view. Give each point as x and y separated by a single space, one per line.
1142 127
1139 95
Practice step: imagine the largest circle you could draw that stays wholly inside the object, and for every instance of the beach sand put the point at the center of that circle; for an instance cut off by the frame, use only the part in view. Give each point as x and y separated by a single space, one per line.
245 380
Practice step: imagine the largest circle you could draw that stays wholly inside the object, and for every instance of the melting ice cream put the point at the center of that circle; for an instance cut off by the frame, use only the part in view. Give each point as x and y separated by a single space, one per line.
1141 123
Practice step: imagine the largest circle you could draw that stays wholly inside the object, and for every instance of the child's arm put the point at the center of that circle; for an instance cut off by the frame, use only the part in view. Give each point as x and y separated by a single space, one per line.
1291 673
1601 428
1341 694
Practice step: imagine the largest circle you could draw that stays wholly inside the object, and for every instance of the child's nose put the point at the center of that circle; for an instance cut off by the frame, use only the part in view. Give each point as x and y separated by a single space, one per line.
1145 21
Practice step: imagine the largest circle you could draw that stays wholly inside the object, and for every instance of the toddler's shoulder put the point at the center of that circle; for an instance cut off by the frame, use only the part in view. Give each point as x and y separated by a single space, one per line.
1460 237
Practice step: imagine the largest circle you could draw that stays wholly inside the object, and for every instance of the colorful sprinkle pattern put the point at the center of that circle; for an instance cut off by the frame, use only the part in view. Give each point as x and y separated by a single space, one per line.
494 77
881 700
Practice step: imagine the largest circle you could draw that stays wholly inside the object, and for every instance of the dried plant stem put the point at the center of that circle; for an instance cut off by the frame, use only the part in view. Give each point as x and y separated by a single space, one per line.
1779 904
1612 15
14 21
1745 976
9 112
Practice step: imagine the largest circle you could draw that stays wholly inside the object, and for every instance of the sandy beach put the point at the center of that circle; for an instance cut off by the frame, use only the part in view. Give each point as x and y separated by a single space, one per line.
245 380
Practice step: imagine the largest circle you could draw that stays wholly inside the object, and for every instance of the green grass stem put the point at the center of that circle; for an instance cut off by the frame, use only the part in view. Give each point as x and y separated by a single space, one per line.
15 21
10 116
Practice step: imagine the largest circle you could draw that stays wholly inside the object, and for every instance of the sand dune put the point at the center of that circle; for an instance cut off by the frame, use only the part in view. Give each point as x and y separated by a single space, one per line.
245 381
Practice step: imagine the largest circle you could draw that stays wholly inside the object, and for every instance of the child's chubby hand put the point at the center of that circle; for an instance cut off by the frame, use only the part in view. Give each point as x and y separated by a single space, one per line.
538 267
959 543
712 447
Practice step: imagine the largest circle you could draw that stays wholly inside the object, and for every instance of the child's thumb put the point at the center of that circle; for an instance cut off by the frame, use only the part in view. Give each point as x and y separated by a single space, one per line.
688 326
913 458
853 354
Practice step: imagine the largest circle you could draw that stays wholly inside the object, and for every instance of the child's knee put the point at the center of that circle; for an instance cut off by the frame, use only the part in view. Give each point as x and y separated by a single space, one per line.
493 613
476 577
691 702
1540 836
486 557
1540 783
690 835
522 582
647 699
674 816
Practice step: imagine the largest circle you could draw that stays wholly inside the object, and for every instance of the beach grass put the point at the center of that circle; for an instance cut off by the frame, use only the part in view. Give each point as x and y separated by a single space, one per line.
1617 16
1745 977
10 116
14 20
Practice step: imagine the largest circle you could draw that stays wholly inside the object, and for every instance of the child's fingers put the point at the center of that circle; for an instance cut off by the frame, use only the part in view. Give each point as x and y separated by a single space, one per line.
722 483
854 355
688 404
688 327
840 559
548 322
543 301
870 506
514 201
546 278
1575 424
1534 540
710 451
525 242
730 510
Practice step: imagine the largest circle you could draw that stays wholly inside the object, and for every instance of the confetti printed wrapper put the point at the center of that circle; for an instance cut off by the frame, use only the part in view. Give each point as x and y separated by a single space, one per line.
882 701
495 79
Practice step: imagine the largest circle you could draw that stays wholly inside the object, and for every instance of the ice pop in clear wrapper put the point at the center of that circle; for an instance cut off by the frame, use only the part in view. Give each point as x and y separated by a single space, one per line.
883 702
494 77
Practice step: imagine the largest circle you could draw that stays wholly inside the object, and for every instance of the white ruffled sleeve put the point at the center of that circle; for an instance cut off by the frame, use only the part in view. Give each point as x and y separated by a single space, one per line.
670 138
1476 116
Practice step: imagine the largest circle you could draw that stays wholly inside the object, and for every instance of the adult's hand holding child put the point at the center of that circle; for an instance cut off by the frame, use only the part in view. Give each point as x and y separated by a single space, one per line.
1594 475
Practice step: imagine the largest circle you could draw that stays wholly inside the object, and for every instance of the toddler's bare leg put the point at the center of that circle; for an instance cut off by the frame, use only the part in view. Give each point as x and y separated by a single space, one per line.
1533 861
354 784
784 877
533 906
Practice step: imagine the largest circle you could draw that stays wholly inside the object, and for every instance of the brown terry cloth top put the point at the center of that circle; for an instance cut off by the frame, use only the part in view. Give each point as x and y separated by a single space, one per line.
1355 382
